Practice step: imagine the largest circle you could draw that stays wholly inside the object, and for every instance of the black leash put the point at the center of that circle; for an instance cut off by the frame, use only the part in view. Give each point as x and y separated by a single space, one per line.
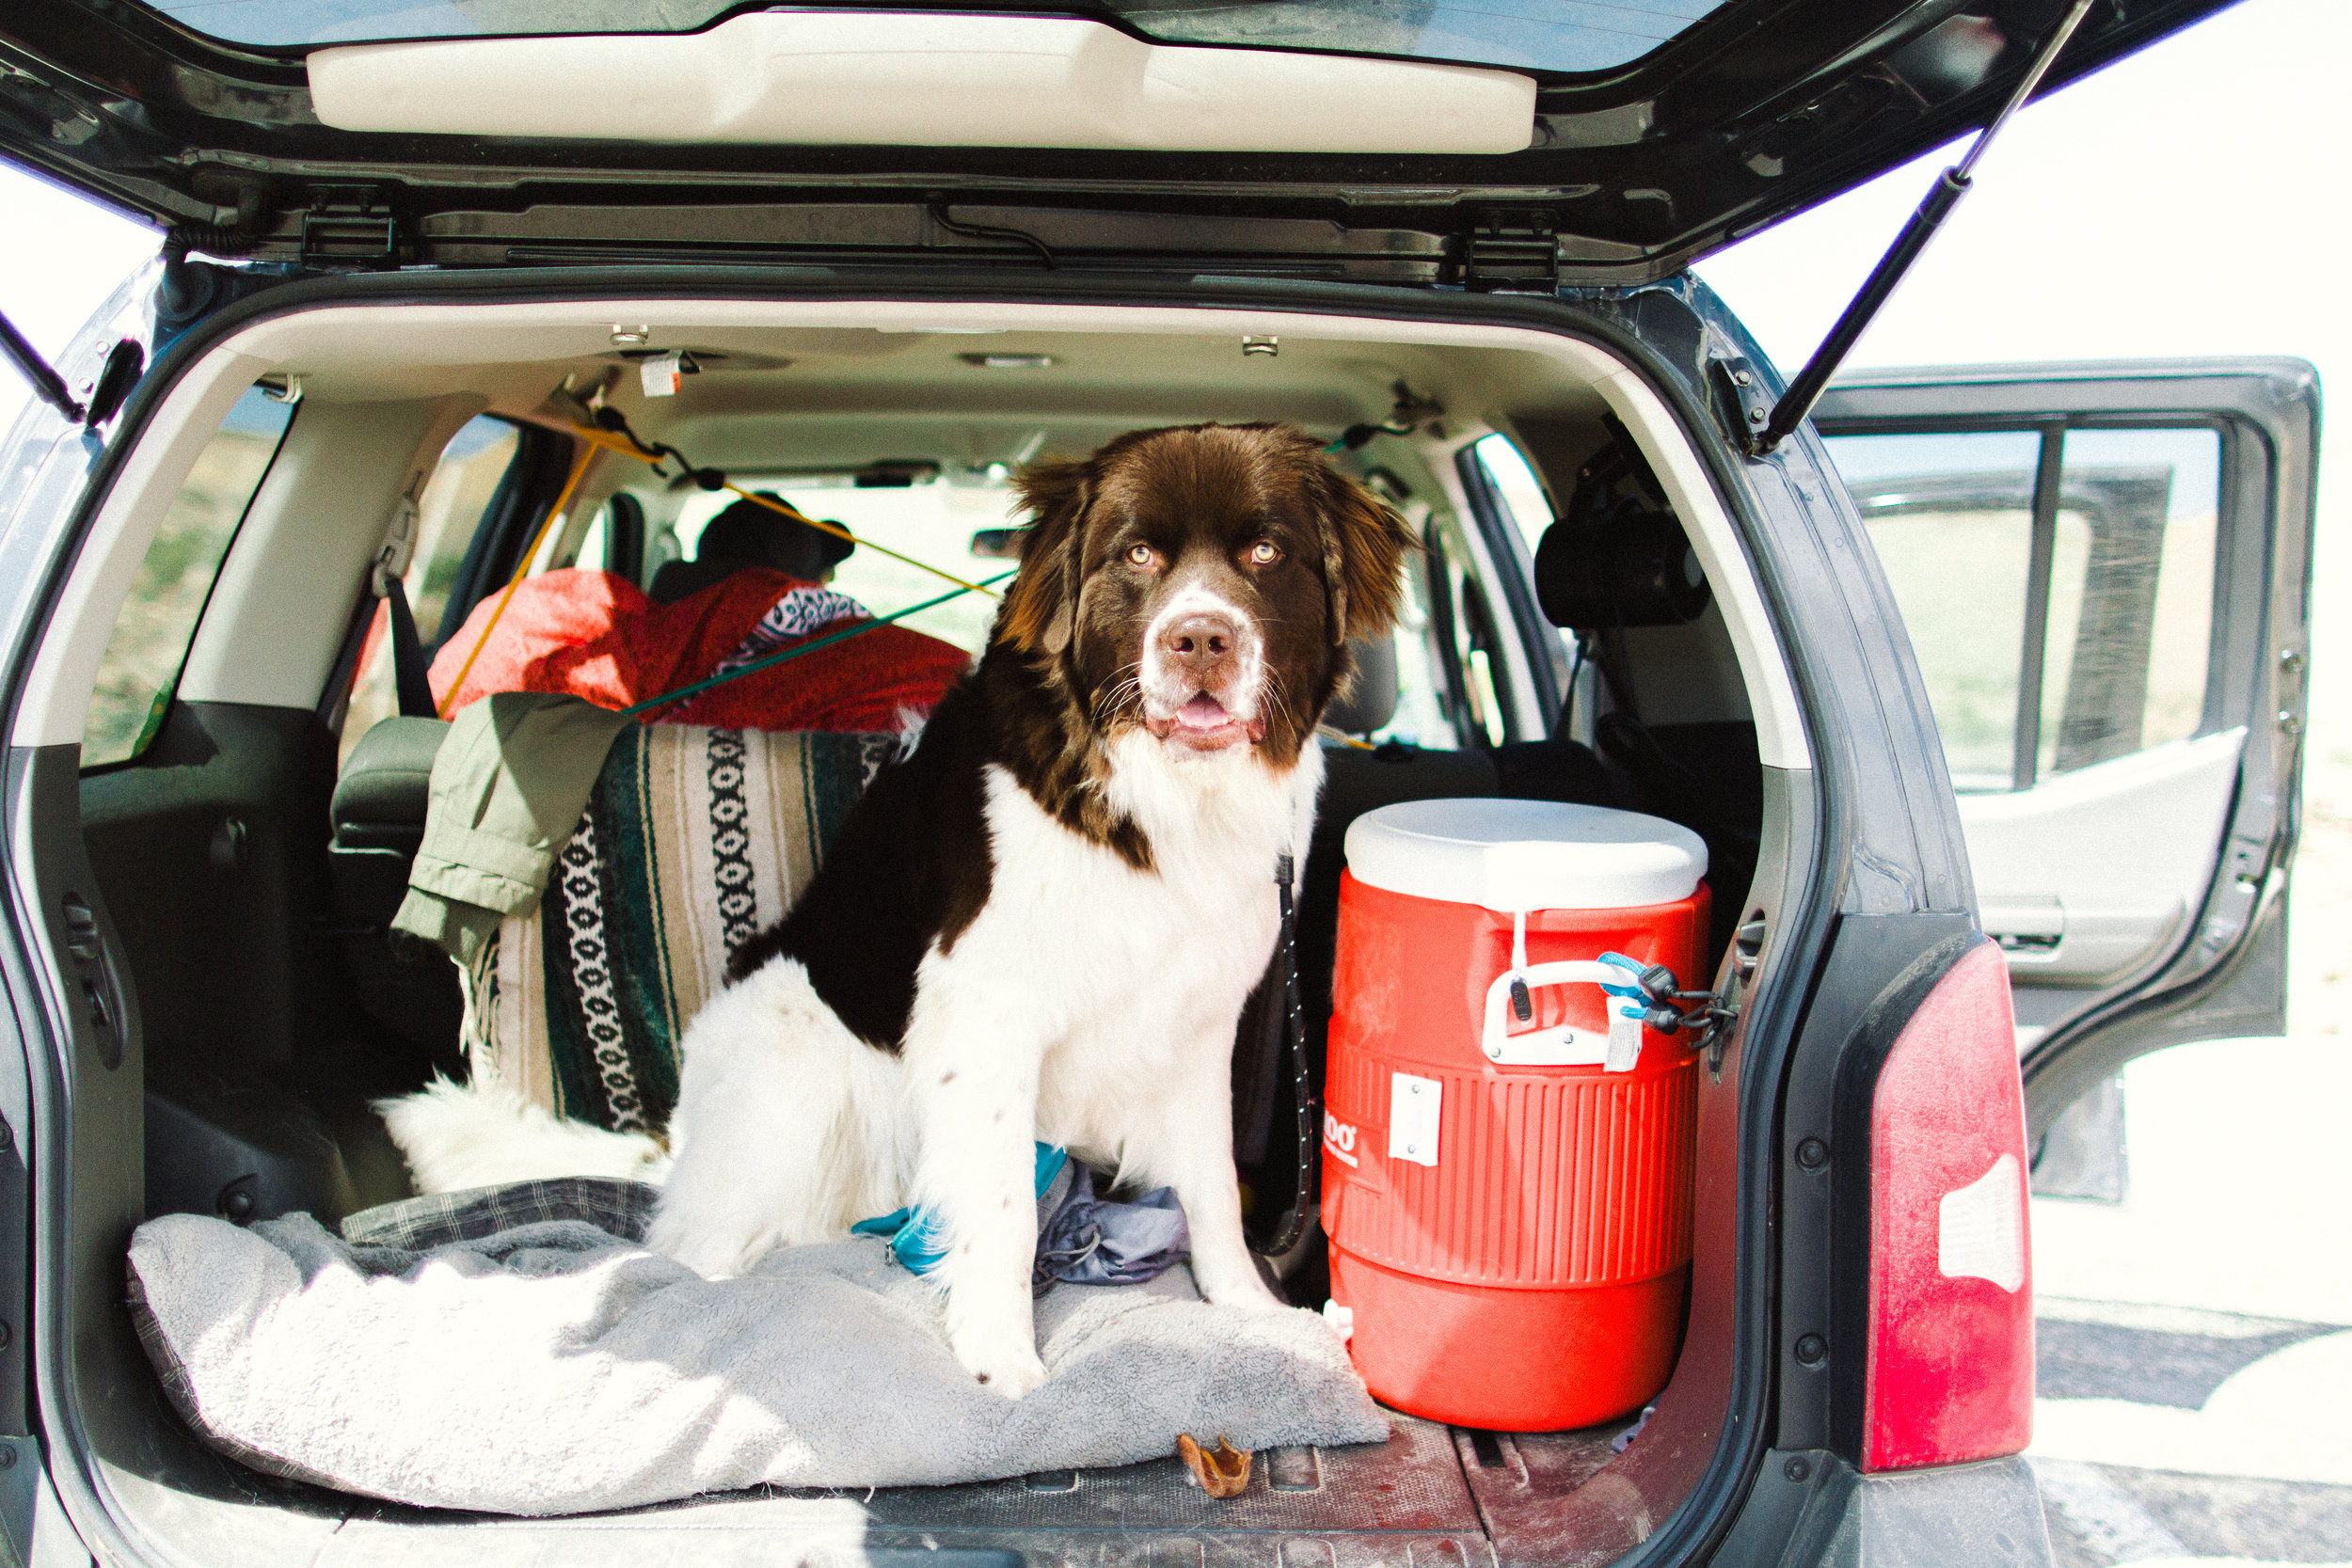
1302 1084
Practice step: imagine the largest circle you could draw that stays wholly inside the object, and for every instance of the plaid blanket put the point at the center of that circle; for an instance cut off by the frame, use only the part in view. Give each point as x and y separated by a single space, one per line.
694 840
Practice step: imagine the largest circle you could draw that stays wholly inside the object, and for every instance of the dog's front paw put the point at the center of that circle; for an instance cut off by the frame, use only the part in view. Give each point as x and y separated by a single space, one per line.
1239 1289
1005 1364
714 1251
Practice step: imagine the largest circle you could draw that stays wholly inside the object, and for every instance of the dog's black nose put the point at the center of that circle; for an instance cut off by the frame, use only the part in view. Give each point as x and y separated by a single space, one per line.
1200 644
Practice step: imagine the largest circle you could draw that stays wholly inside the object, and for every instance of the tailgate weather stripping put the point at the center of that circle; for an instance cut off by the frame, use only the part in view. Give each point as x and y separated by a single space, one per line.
1805 390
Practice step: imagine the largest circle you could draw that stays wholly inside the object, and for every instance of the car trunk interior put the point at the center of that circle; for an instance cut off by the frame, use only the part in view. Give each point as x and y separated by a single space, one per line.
252 899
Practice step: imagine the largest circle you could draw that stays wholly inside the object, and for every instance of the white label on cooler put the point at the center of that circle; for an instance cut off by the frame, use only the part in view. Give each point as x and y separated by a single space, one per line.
1413 1117
1624 1040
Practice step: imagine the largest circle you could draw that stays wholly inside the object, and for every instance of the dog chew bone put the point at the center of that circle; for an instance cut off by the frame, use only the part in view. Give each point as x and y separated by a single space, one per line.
1222 1471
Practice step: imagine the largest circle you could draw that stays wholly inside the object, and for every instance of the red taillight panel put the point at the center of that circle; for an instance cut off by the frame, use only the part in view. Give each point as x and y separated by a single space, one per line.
1950 1370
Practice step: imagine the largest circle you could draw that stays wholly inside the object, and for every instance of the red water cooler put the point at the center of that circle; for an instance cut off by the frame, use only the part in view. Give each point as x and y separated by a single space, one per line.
1508 1199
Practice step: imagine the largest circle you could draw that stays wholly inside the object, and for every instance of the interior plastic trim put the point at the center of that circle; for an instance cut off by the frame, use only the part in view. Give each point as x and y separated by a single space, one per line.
921 79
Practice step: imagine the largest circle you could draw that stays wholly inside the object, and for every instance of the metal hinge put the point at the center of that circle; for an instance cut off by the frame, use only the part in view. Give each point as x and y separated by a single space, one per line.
341 239
1750 407
1510 252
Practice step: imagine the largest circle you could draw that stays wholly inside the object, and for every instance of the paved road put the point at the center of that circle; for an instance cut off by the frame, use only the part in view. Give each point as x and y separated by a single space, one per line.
2196 1338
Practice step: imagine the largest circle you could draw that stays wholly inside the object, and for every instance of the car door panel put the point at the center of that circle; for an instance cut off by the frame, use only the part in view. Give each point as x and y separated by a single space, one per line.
2126 777
2088 878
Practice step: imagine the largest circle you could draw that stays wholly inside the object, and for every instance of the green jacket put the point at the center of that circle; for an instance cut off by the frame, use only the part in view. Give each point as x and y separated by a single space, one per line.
508 788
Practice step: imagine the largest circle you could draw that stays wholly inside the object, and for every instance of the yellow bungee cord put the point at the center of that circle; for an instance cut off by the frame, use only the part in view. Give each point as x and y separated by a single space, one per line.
627 448
522 569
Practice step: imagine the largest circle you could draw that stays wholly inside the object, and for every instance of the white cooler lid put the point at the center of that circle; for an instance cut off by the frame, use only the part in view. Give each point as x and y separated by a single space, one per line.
1510 855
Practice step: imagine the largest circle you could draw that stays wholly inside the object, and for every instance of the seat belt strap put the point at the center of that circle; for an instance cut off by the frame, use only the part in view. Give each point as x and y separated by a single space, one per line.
408 668
390 564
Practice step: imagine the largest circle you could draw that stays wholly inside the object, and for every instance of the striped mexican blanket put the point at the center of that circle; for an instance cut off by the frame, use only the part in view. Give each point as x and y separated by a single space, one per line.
694 840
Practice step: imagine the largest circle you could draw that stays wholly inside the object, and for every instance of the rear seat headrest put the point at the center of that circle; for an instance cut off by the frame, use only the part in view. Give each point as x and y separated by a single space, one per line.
380 799
1370 703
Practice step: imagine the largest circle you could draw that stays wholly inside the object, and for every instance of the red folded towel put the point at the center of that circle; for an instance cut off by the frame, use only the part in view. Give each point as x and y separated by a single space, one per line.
600 636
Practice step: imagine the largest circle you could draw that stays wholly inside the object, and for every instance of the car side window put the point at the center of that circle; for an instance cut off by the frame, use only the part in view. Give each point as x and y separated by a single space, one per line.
140 669
1470 622
1433 709
2057 584
450 511
2128 655
1423 716
958 526
615 539
1514 483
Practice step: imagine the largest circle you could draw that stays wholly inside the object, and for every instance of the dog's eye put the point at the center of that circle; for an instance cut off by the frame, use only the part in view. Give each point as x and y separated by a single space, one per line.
1143 555
1265 552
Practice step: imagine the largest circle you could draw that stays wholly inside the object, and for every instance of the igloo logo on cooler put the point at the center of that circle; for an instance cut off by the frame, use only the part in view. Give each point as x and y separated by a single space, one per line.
1339 1139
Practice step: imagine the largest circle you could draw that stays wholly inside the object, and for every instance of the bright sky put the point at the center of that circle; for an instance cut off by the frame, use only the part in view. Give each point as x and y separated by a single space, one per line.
2191 200
2188 202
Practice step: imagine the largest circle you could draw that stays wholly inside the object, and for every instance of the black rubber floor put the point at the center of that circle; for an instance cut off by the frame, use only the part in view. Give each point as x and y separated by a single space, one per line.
1404 1503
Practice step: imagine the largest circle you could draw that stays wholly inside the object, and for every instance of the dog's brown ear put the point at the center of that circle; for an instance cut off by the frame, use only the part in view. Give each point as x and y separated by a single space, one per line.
1040 611
1364 546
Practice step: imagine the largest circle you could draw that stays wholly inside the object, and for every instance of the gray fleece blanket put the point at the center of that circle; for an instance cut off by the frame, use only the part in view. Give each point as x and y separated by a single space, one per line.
555 1367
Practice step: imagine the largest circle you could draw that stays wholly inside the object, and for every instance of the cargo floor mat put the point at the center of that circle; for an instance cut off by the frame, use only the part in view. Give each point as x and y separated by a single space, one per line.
1399 1503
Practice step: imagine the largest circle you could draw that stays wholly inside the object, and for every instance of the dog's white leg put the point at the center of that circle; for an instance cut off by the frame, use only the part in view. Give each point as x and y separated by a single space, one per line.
1192 1150
972 1058
786 1128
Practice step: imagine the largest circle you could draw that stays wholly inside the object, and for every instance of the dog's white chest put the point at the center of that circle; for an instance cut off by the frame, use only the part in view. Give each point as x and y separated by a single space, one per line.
1069 921
1138 975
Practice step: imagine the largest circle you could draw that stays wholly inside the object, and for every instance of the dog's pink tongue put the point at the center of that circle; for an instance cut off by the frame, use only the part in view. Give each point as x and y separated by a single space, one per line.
1203 712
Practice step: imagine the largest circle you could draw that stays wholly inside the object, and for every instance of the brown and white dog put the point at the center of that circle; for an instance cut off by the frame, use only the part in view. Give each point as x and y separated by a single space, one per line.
1045 922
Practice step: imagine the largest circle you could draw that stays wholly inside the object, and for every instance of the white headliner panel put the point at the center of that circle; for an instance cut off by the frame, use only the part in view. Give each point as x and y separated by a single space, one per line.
491 333
921 79
308 534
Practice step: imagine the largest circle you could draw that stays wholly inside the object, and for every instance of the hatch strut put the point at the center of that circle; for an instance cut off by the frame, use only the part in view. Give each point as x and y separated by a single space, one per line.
46 382
1805 390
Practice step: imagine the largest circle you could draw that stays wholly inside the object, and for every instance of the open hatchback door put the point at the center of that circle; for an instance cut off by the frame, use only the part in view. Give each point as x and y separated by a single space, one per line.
1440 144
2120 686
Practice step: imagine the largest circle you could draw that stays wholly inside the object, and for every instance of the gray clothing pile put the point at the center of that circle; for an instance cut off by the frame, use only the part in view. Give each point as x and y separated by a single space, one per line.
553 1367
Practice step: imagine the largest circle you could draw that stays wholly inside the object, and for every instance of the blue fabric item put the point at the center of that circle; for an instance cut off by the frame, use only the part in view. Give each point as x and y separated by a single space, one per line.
913 1233
1091 1241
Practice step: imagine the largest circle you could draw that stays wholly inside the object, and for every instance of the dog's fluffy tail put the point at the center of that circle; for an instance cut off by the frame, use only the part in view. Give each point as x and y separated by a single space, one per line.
456 1136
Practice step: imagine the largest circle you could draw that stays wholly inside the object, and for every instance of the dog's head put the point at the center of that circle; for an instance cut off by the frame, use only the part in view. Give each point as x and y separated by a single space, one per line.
1202 582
